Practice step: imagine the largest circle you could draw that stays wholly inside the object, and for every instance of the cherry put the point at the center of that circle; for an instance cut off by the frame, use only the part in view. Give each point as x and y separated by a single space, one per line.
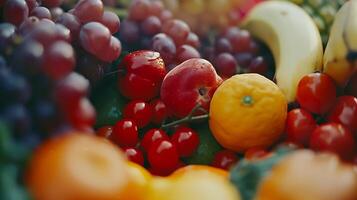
82 114
186 140
160 112
334 137
299 126
151 136
134 155
163 155
345 112
255 153
161 172
316 93
125 133
224 159
145 71
105 131
139 111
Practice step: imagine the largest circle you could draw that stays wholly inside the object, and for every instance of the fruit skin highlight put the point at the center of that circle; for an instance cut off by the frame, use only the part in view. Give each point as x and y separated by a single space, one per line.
247 110
292 37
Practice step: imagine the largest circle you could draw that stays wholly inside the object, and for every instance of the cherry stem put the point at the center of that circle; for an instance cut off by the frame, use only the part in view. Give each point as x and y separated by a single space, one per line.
119 71
188 118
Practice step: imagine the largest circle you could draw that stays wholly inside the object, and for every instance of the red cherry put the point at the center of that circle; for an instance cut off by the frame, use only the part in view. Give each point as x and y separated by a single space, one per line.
255 153
224 159
299 126
163 155
186 140
82 114
105 131
134 155
345 112
125 133
316 93
151 136
145 71
139 111
335 138
160 112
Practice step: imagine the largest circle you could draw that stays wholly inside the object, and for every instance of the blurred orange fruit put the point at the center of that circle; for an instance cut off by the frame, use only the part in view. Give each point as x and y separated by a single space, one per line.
247 110
199 169
309 176
77 166
139 178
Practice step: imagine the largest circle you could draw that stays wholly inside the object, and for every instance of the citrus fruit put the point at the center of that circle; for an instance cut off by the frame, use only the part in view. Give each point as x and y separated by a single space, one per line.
193 186
199 169
139 178
247 110
306 175
77 166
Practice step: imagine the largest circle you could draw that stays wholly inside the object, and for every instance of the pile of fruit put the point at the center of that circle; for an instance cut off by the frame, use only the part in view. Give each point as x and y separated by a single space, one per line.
178 99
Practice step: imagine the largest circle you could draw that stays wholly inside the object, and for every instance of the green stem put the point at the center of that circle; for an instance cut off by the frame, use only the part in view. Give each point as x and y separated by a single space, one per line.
184 120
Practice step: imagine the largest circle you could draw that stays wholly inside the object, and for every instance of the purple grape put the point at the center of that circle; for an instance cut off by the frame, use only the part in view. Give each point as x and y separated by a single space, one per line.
41 13
56 12
165 46
223 45
186 52
18 118
129 31
226 65
151 25
72 23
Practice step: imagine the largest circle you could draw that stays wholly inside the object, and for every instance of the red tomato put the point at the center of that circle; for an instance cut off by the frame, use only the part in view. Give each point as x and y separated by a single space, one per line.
345 112
316 93
335 138
299 126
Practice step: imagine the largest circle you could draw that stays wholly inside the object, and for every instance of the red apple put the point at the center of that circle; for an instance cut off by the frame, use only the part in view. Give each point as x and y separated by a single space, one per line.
144 72
190 83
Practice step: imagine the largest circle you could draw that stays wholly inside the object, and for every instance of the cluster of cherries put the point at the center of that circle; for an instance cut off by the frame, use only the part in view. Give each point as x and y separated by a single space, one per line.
140 79
150 26
324 121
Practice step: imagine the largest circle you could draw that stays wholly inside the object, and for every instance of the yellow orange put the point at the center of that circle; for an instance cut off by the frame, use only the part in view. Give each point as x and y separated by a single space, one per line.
195 186
199 169
139 179
309 176
247 110
77 166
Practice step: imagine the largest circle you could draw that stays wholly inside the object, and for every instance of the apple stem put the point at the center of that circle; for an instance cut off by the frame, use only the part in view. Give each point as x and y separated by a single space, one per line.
189 118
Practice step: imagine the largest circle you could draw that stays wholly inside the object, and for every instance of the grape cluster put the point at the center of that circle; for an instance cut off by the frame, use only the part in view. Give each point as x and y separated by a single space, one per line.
150 26
235 51
46 56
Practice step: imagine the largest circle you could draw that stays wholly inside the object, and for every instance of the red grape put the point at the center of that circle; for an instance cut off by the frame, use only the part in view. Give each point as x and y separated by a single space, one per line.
94 37
186 52
129 31
58 60
165 46
139 10
31 4
56 12
15 11
71 22
52 3
112 52
151 25
223 45
88 10
258 65
41 12
178 30
226 65
193 40
111 21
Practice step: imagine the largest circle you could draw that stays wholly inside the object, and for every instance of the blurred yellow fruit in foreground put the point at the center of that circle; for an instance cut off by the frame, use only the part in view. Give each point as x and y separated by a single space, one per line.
77 166
304 175
199 169
195 185
139 179
247 110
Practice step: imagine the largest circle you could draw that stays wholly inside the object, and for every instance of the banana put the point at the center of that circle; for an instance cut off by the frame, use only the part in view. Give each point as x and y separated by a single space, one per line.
293 38
341 51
